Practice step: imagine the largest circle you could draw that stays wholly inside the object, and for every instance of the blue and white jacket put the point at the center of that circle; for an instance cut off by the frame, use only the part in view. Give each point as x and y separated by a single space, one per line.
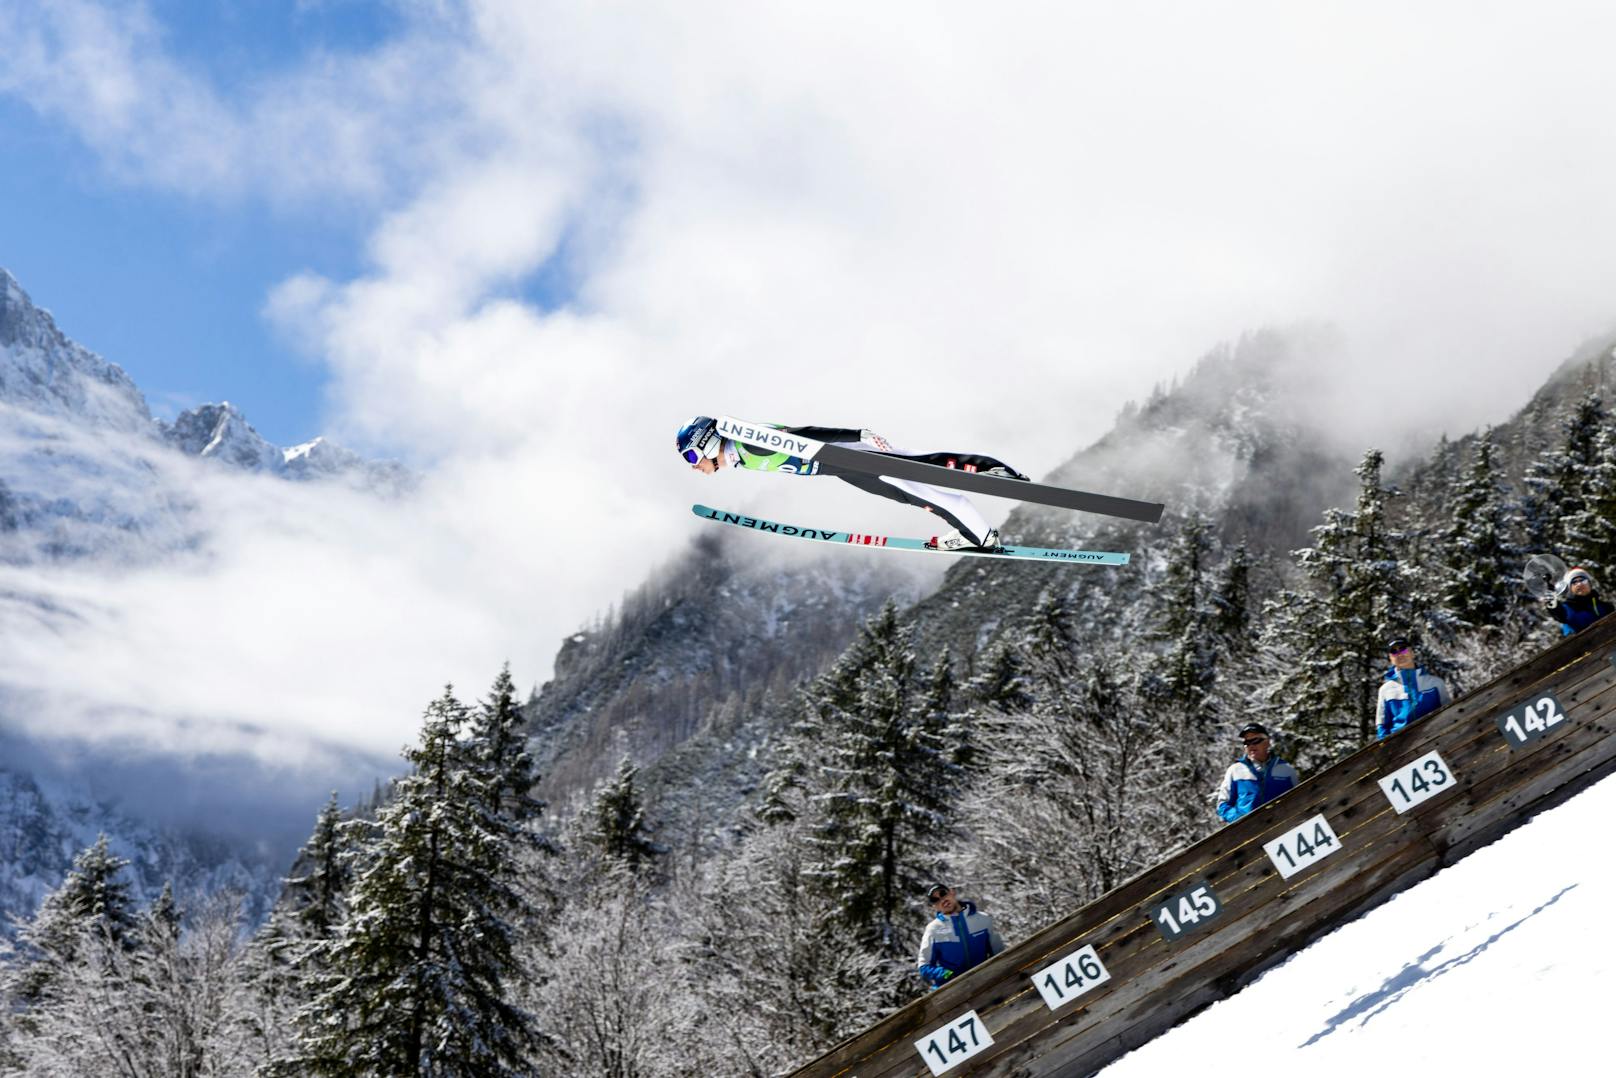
1406 695
954 943
1575 615
1246 785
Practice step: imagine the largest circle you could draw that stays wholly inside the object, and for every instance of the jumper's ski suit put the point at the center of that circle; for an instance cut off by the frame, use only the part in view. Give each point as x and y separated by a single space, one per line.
952 506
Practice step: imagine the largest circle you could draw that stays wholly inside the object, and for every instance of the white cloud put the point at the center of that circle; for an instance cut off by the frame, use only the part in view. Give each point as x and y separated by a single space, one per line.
967 228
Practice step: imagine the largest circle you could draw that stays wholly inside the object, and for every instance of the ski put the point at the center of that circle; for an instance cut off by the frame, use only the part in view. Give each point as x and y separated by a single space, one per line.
892 542
877 464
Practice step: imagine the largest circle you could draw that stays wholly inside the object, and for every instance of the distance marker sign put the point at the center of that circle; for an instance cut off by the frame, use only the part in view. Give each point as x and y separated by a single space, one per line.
947 1048
1418 782
1302 846
1184 911
1070 977
1525 723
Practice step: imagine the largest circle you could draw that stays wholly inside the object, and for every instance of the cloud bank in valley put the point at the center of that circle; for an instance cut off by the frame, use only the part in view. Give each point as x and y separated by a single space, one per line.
966 228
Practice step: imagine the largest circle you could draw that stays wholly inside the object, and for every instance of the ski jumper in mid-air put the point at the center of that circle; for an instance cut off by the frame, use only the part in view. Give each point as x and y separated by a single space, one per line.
706 450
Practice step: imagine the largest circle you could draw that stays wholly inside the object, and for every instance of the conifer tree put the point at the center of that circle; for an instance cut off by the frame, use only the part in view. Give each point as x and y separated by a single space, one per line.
1182 680
419 975
1230 620
1481 562
617 823
1590 528
497 733
285 955
312 897
1001 682
91 909
1554 481
882 784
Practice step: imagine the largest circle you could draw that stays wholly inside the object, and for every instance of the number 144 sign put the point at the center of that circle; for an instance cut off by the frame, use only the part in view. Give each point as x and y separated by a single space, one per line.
1301 846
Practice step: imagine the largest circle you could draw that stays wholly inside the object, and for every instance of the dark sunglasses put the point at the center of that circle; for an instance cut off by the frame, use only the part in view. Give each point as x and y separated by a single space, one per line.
1253 741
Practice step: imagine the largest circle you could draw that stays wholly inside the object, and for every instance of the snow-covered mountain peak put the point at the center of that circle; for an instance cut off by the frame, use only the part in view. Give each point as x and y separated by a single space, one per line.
42 371
221 431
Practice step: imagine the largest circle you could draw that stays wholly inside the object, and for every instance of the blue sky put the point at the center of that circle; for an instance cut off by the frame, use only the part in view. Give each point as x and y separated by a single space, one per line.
169 286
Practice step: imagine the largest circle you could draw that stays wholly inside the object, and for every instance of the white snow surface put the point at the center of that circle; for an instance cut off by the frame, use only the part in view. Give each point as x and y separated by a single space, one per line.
1498 965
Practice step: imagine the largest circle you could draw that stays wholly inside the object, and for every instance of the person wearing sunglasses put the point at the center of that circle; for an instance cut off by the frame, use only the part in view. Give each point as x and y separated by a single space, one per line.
1577 604
1409 692
707 451
957 937
1256 778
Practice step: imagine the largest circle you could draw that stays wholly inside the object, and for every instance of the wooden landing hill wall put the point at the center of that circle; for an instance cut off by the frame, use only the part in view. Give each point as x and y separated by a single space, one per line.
1210 919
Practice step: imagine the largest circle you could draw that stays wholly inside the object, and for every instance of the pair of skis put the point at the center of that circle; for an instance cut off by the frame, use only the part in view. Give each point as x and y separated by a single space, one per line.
893 542
877 464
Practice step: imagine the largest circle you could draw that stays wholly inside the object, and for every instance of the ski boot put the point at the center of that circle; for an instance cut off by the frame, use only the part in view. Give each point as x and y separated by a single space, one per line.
957 540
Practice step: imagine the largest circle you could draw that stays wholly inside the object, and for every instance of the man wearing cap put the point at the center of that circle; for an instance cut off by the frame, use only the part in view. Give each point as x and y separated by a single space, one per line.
958 937
1256 778
1577 603
1409 692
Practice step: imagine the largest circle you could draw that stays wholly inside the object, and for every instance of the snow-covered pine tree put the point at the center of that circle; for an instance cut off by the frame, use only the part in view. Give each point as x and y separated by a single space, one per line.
1231 622
1180 681
883 786
1481 563
419 976
155 1000
1554 480
1590 526
497 734
312 897
286 953
617 827
91 910
1000 682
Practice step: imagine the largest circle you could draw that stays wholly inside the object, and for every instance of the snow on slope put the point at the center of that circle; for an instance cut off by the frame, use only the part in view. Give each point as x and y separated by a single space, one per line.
1498 965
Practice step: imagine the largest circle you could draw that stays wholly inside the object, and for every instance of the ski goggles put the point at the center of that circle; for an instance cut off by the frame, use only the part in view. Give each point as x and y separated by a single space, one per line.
696 446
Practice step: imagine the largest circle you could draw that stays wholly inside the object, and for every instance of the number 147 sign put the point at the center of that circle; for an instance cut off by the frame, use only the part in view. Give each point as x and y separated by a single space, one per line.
956 1042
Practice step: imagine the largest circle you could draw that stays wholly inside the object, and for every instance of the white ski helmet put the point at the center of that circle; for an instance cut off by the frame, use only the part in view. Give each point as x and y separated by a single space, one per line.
1572 575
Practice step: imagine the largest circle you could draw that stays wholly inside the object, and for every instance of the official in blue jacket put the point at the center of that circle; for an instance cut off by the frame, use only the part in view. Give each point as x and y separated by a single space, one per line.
1577 602
1256 778
958 937
1409 691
